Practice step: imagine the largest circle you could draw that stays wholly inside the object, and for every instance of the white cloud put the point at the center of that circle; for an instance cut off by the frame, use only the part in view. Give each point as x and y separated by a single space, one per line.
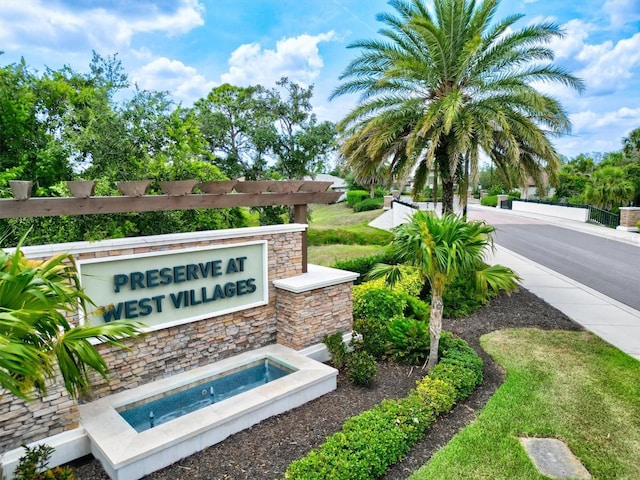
572 42
55 27
609 66
598 132
296 57
622 12
590 121
182 81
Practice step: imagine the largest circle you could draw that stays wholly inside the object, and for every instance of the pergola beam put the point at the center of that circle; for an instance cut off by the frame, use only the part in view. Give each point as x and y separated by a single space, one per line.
57 206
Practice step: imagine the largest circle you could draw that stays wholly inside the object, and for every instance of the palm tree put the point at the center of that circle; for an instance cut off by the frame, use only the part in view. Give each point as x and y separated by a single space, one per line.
35 334
609 187
446 82
444 249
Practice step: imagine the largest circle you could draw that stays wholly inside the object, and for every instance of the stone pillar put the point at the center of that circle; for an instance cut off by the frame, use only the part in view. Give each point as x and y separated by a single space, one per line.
629 218
312 305
388 199
501 198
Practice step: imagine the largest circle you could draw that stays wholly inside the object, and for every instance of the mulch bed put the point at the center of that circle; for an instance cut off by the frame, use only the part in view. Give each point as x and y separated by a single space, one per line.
265 450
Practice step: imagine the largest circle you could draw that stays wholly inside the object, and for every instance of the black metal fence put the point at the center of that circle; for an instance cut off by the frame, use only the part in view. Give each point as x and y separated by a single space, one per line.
603 217
596 215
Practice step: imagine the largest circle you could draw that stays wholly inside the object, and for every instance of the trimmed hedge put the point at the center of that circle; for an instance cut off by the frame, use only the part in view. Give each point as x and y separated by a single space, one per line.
377 302
361 265
344 236
374 440
368 204
355 196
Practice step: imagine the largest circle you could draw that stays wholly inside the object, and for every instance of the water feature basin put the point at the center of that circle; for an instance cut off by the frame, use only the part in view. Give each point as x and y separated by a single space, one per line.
174 404
127 454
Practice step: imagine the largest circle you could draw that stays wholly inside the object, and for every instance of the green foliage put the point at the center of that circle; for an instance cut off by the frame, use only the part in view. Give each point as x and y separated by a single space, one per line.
361 265
417 309
443 83
374 335
489 201
410 281
445 249
337 349
361 367
408 340
347 236
374 440
33 465
35 297
379 303
368 204
355 196
462 379
461 298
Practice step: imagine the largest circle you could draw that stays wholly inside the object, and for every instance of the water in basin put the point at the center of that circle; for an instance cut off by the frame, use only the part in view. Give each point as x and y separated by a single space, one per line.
188 399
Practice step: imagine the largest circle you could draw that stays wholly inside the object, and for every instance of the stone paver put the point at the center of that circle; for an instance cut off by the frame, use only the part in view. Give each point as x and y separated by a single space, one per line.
554 459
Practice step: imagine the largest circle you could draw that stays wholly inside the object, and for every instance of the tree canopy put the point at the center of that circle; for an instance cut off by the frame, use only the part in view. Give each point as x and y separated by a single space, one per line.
444 82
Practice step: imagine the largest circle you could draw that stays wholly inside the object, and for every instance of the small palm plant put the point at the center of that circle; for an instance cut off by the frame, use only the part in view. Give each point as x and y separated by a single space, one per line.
443 249
36 296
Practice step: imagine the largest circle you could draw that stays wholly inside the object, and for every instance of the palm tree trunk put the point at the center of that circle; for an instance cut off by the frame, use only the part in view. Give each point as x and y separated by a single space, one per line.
447 177
435 327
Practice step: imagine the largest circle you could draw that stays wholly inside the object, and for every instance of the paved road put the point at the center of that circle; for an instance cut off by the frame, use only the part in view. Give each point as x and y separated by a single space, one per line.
608 266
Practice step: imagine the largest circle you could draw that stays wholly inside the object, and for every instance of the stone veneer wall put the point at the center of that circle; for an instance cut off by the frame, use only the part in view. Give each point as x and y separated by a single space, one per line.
629 217
304 318
163 352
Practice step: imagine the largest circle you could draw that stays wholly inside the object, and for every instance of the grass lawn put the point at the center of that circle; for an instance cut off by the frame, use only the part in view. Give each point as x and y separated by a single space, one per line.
567 385
327 255
340 217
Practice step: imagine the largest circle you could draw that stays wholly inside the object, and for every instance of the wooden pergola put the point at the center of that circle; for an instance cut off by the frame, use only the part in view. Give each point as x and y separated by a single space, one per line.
59 206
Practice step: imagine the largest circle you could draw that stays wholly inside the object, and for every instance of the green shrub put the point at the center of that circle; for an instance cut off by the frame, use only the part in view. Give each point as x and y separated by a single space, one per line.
33 465
361 265
333 236
408 340
462 379
410 282
345 236
374 440
489 201
361 367
438 394
374 335
638 226
460 299
337 349
355 196
417 309
368 204
370 301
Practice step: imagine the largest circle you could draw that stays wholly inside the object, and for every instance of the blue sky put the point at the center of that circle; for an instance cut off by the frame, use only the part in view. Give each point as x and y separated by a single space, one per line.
187 47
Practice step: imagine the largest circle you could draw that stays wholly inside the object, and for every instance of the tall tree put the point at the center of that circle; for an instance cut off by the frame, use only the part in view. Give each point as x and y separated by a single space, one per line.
237 123
302 144
443 249
445 82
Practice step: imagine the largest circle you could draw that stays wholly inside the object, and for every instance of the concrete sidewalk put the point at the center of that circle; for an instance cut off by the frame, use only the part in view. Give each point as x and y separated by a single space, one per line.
611 320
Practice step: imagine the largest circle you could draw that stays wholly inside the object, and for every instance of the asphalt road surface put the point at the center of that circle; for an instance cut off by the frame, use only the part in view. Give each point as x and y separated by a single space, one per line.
608 266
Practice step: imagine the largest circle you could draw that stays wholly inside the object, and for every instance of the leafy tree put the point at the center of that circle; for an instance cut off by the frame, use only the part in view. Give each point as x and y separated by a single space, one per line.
631 145
237 124
444 249
302 144
447 82
609 188
35 334
27 144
